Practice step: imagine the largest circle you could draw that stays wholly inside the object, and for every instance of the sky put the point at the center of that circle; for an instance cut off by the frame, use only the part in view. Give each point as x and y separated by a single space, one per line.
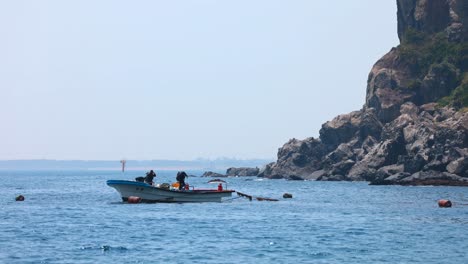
149 79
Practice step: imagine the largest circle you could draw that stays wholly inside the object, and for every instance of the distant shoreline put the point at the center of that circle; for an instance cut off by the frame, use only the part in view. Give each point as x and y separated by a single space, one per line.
131 165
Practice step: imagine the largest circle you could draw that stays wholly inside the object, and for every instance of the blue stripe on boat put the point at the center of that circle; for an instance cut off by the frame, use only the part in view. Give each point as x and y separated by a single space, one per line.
122 182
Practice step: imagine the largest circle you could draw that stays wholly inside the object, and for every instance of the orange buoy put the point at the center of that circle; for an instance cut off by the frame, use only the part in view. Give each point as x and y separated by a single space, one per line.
220 187
134 199
19 198
445 203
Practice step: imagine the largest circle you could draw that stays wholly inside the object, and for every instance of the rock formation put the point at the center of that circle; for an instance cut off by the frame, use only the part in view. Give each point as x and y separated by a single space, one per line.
242 171
212 174
413 128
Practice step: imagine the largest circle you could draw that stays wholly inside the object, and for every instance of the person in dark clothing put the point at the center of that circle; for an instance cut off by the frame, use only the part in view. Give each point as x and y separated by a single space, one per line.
181 179
149 177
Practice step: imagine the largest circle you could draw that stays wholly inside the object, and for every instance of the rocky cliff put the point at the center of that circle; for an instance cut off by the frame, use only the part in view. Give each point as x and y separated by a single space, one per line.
413 128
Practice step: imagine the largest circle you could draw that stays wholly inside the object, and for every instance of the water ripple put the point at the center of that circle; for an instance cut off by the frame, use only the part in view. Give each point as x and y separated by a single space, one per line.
80 220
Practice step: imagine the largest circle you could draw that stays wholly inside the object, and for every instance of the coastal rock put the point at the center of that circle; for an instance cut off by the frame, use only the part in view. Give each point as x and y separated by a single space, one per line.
296 157
213 174
423 15
459 166
332 178
413 127
242 171
434 178
343 128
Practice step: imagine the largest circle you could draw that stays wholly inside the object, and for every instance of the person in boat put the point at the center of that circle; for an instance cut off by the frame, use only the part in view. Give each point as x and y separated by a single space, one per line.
181 179
149 177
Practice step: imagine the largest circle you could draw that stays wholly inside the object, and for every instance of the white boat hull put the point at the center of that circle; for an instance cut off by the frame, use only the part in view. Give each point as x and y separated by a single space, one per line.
151 194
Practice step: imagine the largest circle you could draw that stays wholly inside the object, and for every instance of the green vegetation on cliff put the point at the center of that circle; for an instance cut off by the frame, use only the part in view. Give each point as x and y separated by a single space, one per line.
459 97
434 56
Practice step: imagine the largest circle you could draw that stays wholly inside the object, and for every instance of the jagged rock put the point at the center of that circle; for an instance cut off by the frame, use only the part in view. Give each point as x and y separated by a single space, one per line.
315 175
422 178
342 168
387 171
429 108
401 135
384 84
267 170
434 178
361 171
332 178
297 157
212 174
388 174
242 171
383 179
459 166
409 109
294 178
432 17
343 128
342 152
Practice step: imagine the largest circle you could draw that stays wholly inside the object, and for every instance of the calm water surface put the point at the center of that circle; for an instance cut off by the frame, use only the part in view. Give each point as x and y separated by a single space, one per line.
74 217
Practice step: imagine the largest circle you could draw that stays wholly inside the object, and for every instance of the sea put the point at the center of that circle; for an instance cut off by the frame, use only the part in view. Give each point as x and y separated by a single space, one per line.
74 217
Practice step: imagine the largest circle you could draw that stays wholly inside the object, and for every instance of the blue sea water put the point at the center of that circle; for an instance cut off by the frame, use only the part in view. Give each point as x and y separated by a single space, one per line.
74 217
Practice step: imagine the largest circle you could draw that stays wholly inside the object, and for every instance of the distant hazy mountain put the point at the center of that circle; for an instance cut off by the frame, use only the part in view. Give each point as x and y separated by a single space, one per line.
198 164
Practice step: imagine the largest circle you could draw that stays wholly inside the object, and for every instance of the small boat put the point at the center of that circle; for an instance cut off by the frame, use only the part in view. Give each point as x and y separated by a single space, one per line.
164 194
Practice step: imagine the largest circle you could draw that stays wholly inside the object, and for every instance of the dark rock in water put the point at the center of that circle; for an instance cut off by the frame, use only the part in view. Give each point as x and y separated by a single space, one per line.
332 178
403 134
383 179
294 178
212 174
422 178
287 195
434 178
242 171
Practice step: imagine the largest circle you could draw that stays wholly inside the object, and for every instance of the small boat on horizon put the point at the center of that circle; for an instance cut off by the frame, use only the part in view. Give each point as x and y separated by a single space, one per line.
163 193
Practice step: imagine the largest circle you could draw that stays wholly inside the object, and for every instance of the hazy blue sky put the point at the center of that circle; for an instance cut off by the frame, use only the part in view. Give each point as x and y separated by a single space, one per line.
91 79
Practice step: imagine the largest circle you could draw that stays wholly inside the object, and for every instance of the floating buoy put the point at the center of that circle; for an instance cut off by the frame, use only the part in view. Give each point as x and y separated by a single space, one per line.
19 198
287 195
134 199
445 203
